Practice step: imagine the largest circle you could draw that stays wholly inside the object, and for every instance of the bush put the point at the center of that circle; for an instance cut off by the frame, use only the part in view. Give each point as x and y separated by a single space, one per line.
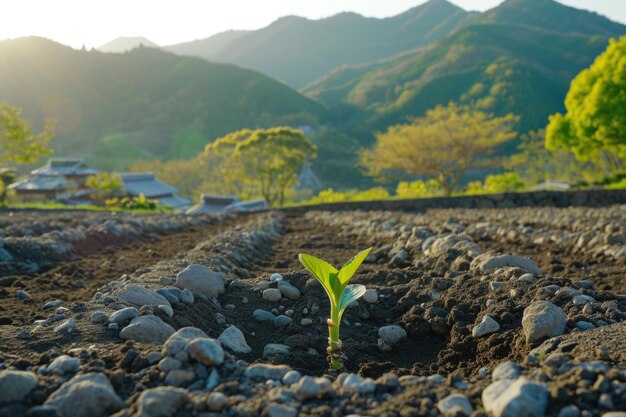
133 203
418 189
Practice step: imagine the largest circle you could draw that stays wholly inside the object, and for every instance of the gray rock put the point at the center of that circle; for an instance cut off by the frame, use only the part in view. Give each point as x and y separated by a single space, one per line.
273 349
98 317
16 385
585 325
580 300
153 357
506 370
66 327
276 277
51 304
311 387
140 296
178 341
391 334
542 319
171 294
282 321
306 322
272 295
180 377
263 315
201 281
288 290
454 404
64 365
487 263
169 363
571 411
266 371
280 410
86 395
206 350
485 327
370 296
216 401
167 310
360 385
22 295
147 329
291 377
125 314
517 398
186 296
233 339
161 401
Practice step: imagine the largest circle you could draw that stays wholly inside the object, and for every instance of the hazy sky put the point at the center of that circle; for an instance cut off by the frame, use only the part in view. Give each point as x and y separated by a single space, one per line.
95 22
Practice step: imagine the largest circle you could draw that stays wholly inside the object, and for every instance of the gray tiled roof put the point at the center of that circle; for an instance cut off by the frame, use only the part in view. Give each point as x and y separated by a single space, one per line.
40 183
146 183
174 202
63 166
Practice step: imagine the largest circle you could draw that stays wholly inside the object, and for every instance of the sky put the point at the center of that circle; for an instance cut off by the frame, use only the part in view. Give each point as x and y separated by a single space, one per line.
92 23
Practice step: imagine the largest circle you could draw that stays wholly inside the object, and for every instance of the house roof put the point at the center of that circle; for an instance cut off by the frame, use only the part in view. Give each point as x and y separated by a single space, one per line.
250 205
40 183
173 201
147 184
65 166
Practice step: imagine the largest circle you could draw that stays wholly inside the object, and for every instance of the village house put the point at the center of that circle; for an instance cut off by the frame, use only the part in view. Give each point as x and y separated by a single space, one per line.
214 203
138 183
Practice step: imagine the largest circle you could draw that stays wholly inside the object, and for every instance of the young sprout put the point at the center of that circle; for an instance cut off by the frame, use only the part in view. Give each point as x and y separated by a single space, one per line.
340 295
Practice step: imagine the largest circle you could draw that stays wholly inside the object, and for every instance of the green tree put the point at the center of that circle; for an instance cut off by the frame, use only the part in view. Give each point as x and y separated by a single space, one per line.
595 122
109 184
18 144
442 145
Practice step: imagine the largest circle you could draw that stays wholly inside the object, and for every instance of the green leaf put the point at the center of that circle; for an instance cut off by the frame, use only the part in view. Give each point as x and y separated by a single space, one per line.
324 272
350 295
350 267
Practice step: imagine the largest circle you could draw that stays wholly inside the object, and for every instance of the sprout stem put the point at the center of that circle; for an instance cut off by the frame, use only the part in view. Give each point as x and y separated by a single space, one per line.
334 344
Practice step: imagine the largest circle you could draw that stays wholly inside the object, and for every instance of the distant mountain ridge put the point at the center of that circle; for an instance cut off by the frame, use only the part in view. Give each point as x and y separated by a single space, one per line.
126 43
297 50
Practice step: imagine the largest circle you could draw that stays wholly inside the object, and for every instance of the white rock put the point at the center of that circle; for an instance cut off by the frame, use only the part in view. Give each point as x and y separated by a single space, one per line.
206 351
360 385
276 277
391 334
169 363
273 349
98 317
64 364
147 329
370 296
291 377
66 327
490 262
216 401
266 371
507 398
16 385
178 341
280 410
232 338
124 314
542 319
485 327
454 404
140 296
582 299
180 377
201 281
86 395
161 401
272 295
311 387
506 370
51 304
288 290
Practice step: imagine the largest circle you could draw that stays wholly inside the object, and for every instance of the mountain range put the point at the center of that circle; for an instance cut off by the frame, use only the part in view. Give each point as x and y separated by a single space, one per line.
354 75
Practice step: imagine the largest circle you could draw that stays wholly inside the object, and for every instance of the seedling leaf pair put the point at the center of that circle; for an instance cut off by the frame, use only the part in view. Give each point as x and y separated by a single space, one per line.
340 294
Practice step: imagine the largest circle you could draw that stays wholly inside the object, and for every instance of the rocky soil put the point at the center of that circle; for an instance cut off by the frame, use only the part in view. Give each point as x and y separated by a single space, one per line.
509 312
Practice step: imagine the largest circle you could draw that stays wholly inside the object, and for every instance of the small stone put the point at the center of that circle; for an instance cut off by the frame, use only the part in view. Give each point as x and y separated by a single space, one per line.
216 401
263 315
280 410
147 329
229 307
276 277
391 334
291 377
169 363
570 411
186 296
167 310
585 325
51 304
361 385
232 338
311 387
98 317
454 404
493 285
66 327
485 327
266 371
22 295
506 370
206 350
370 296
177 342
306 322
580 300
506 398
282 321
273 349
61 310
542 319
140 296
153 357
16 385
179 378
201 281
88 394
288 290
125 314
64 364
272 295
161 401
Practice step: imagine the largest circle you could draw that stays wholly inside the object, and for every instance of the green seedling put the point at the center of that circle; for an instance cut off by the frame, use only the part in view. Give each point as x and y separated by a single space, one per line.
340 295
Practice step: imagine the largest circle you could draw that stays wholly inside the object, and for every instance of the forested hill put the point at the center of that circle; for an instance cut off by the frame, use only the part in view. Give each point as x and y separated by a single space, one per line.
146 103
298 50
519 57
